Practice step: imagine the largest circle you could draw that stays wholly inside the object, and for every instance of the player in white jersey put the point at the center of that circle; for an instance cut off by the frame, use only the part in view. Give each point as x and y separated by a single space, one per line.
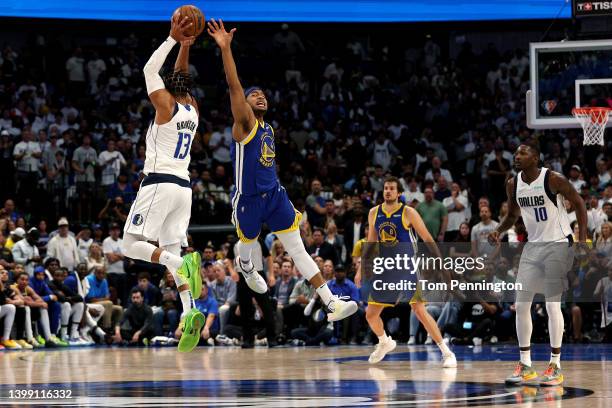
162 209
537 194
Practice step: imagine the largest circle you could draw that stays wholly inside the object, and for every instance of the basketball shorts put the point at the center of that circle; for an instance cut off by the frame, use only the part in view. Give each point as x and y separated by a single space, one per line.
161 210
543 268
273 208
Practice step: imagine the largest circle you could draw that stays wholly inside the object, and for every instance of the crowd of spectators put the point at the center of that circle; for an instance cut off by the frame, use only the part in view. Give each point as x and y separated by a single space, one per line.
73 146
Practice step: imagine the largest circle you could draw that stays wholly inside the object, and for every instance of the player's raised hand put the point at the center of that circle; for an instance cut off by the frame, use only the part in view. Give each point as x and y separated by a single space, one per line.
178 26
220 34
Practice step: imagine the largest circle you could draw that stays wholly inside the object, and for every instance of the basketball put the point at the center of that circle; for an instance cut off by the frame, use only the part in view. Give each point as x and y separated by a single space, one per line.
196 16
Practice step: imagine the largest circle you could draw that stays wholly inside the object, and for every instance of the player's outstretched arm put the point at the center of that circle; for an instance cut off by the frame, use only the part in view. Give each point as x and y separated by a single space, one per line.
560 185
514 212
162 100
182 65
244 117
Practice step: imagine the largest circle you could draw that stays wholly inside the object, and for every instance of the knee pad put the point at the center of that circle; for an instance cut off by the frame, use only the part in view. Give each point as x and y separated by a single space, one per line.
295 248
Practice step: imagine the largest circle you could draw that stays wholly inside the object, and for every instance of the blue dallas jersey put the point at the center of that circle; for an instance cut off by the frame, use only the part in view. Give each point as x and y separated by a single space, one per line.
254 164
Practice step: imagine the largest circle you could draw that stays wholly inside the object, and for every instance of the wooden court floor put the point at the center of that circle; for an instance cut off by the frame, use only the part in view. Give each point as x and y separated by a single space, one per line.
297 377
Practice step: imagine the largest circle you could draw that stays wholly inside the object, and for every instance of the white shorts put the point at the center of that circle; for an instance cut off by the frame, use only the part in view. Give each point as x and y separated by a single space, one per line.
544 266
161 213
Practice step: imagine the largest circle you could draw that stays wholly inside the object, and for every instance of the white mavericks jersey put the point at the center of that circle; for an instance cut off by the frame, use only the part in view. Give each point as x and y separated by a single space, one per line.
543 212
169 145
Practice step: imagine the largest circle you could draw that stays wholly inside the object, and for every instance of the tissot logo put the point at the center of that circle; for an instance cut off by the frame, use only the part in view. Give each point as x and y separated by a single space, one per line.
593 7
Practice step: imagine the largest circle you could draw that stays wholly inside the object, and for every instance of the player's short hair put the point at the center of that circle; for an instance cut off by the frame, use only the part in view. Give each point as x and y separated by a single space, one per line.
178 83
393 179
534 147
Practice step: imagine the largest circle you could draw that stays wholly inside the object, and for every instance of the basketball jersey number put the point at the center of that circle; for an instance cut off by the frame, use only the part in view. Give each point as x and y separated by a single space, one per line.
182 146
540 214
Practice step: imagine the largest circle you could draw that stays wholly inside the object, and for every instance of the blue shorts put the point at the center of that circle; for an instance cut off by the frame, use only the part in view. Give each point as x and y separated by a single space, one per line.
272 207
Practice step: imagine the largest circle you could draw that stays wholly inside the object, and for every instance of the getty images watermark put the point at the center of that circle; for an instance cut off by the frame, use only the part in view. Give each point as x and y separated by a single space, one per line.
394 273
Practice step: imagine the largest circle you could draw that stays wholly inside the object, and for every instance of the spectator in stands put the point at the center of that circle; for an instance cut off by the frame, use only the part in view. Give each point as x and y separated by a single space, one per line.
455 204
25 252
84 164
343 287
480 232
113 252
434 214
337 241
136 326
64 247
95 288
111 161
476 323
36 310
8 309
15 235
223 289
72 307
150 292
207 305
603 291
315 205
322 248
27 155
170 306
84 242
574 177
436 165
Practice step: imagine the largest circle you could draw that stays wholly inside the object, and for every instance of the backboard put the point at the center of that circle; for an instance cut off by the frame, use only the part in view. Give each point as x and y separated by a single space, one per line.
565 75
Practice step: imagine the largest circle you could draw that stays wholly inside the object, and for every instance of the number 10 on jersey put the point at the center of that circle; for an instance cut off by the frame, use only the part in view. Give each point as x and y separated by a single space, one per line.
182 146
540 214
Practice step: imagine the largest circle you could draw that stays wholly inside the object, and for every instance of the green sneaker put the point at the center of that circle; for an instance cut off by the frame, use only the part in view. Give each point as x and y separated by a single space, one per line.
552 376
522 375
39 339
191 325
59 341
190 273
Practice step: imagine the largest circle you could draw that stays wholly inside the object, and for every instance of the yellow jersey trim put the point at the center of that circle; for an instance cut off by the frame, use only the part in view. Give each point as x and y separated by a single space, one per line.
391 213
405 220
294 227
251 135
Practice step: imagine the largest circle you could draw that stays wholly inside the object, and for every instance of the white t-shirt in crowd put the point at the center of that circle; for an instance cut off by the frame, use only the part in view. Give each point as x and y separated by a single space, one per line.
110 246
110 171
28 163
455 218
65 249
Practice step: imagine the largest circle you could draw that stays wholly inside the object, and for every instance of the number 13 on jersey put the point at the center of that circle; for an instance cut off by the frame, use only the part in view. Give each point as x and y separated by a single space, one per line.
182 146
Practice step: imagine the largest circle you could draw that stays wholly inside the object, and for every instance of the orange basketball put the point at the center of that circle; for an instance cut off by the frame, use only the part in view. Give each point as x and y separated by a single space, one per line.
195 16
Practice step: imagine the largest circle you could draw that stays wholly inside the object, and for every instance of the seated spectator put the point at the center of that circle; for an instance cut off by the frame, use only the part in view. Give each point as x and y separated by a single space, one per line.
603 291
136 326
476 322
170 306
281 292
152 295
434 309
95 289
209 308
223 289
317 331
72 308
39 283
8 308
462 244
35 310
344 288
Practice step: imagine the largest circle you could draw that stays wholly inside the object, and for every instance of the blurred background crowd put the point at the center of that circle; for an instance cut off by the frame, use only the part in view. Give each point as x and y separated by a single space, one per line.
347 112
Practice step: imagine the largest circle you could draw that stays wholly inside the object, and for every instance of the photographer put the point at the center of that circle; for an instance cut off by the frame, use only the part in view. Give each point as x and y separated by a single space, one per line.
113 212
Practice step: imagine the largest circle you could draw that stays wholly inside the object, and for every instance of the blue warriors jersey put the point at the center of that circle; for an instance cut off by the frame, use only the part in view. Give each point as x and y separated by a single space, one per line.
254 164
394 227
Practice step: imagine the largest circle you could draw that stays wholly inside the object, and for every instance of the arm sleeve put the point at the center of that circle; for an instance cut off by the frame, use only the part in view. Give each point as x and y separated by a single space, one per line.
151 69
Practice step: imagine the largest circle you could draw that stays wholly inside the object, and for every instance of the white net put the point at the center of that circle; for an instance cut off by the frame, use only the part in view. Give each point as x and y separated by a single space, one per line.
593 122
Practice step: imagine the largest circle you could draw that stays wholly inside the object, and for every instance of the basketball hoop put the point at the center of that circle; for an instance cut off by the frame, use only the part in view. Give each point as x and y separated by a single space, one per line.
593 122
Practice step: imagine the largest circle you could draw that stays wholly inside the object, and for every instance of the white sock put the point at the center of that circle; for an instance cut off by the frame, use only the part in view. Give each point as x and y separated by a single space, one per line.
309 306
383 338
64 332
444 348
556 358
99 332
325 294
170 261
74 331
526 357
244 253
187 301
